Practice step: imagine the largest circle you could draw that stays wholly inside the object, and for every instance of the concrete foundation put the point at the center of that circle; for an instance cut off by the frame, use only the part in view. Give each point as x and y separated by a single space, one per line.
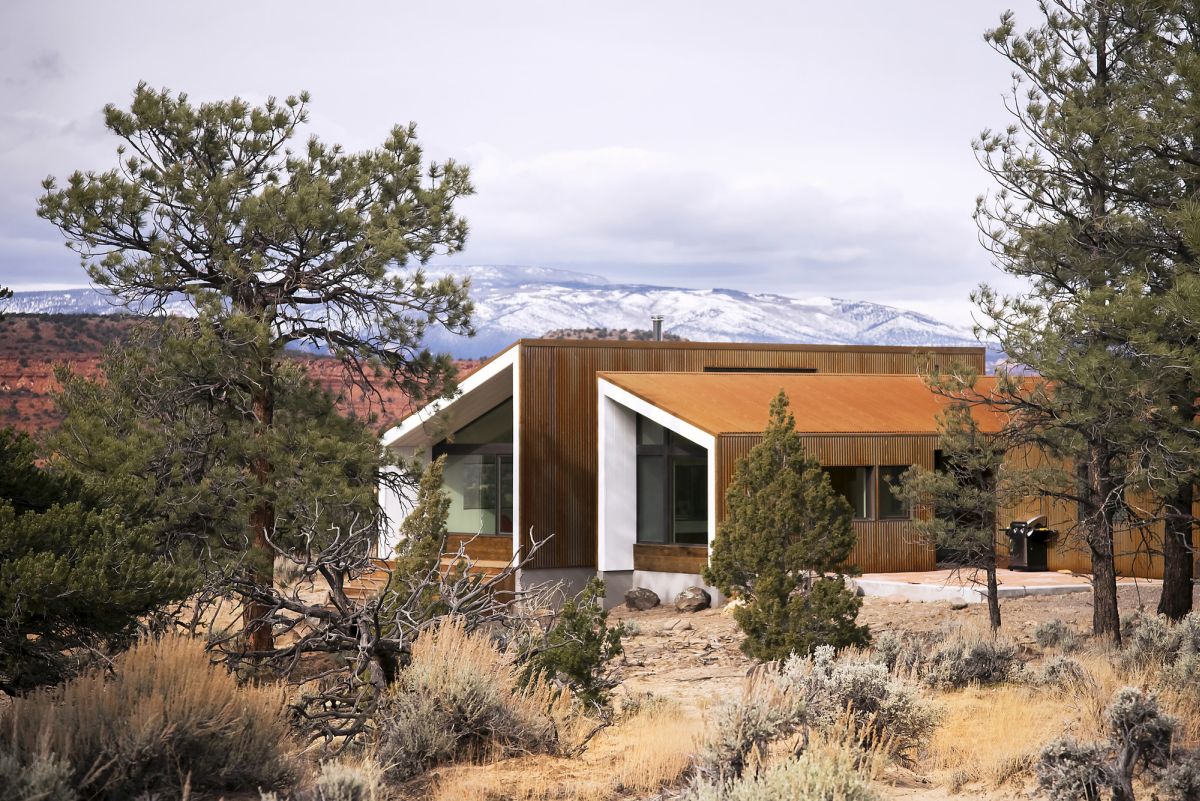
616 584
669 585
573 579
943 585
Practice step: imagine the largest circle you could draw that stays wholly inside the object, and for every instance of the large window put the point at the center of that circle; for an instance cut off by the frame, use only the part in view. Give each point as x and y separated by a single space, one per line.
853 484
891 507
478 475
672 487
868 487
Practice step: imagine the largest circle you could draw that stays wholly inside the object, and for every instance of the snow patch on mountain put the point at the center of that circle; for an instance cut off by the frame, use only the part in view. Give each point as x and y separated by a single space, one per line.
514 301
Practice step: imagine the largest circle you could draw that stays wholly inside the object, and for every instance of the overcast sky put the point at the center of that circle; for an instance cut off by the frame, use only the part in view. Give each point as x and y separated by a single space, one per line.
807 148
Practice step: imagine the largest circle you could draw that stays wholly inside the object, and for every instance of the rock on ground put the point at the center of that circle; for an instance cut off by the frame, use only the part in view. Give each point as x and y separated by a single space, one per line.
641 599
693 599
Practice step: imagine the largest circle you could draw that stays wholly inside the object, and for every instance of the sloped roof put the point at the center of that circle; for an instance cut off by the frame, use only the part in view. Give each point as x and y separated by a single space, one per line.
823 403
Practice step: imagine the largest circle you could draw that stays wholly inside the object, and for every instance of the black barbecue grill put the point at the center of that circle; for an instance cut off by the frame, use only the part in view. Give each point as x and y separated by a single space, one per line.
1029 543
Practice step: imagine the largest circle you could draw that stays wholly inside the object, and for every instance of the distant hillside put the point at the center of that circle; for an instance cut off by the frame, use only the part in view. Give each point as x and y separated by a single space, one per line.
619 334
32 345
513 302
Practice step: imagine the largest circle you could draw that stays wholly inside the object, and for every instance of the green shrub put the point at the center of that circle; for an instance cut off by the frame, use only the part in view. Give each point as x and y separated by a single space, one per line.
886 711
959 662
165 717
579 648
347 781
41 778
1061 674
1072 771
1181 781
783 546
461 698
1139 738
821 774
743 727
1056 634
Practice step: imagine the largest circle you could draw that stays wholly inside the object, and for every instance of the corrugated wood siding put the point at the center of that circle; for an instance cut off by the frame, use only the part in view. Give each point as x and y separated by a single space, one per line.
558 418
883 545
1137 552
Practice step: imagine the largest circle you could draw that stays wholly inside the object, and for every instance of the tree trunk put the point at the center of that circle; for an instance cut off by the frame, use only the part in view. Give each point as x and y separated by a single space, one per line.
260 638
1178 554
993 599
1099 525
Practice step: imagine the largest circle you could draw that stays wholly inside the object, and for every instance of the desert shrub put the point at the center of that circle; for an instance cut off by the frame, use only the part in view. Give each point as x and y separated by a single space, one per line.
886 711
347 781
960 661
1072 771
42 778
1056 634
1061 674
166 717
578 649
1181 781
461 698
1151 640
1139 739
825 772
743 727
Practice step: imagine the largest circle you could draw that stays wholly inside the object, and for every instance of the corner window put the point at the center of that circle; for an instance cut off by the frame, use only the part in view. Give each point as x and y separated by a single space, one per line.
672 487
891 507
478 476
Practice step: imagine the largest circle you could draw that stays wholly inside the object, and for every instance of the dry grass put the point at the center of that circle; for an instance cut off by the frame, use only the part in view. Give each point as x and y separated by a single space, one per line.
166 714
461 700
639 755
992 735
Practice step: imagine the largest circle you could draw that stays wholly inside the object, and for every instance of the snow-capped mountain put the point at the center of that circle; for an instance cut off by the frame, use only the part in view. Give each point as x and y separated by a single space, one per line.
512 302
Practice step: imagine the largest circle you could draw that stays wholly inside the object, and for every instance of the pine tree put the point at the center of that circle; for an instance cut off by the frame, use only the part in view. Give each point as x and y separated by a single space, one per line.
961 495
73 577
1075 169
163 439
783 546
273 246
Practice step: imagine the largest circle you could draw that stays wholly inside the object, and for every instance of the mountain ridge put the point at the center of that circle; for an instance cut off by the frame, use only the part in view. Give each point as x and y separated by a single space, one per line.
515 301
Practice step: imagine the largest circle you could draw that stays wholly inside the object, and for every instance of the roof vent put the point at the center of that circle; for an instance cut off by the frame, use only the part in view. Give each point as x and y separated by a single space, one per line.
656 321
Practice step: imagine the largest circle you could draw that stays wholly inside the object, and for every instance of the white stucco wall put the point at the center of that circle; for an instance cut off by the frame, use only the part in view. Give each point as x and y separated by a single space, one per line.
616 526
617 485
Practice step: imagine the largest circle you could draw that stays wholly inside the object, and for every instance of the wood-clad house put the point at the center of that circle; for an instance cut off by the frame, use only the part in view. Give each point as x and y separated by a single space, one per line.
527 437
673 440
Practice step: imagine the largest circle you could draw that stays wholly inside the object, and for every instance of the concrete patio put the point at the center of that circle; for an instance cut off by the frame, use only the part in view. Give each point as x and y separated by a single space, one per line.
970 586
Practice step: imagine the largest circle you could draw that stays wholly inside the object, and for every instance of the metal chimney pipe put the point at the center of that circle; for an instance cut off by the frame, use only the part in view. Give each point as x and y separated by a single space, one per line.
656 326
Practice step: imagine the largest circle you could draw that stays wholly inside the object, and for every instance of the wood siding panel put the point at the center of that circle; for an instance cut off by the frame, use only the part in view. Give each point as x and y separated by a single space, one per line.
481 548
670 558
882 545
558 418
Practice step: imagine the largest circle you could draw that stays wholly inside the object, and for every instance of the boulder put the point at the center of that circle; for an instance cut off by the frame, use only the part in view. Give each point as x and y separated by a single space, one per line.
641 599
958 603
693 599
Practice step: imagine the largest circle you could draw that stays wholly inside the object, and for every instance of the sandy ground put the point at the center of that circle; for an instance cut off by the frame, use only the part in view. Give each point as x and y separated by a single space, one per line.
694 658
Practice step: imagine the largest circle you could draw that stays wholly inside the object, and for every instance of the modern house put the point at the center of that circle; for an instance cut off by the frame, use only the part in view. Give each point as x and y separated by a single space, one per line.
619 452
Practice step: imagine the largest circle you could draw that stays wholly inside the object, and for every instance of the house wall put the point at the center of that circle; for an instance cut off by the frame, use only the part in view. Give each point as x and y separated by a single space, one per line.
1136 551
883 546
557 437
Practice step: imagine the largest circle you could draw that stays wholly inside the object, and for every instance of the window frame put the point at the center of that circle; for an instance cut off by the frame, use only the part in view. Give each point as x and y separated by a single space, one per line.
870 481
497 451
673 446
881 487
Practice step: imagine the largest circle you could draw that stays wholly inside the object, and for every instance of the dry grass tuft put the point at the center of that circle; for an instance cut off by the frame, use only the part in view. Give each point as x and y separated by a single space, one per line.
167 717
993 735
640 755
461 699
